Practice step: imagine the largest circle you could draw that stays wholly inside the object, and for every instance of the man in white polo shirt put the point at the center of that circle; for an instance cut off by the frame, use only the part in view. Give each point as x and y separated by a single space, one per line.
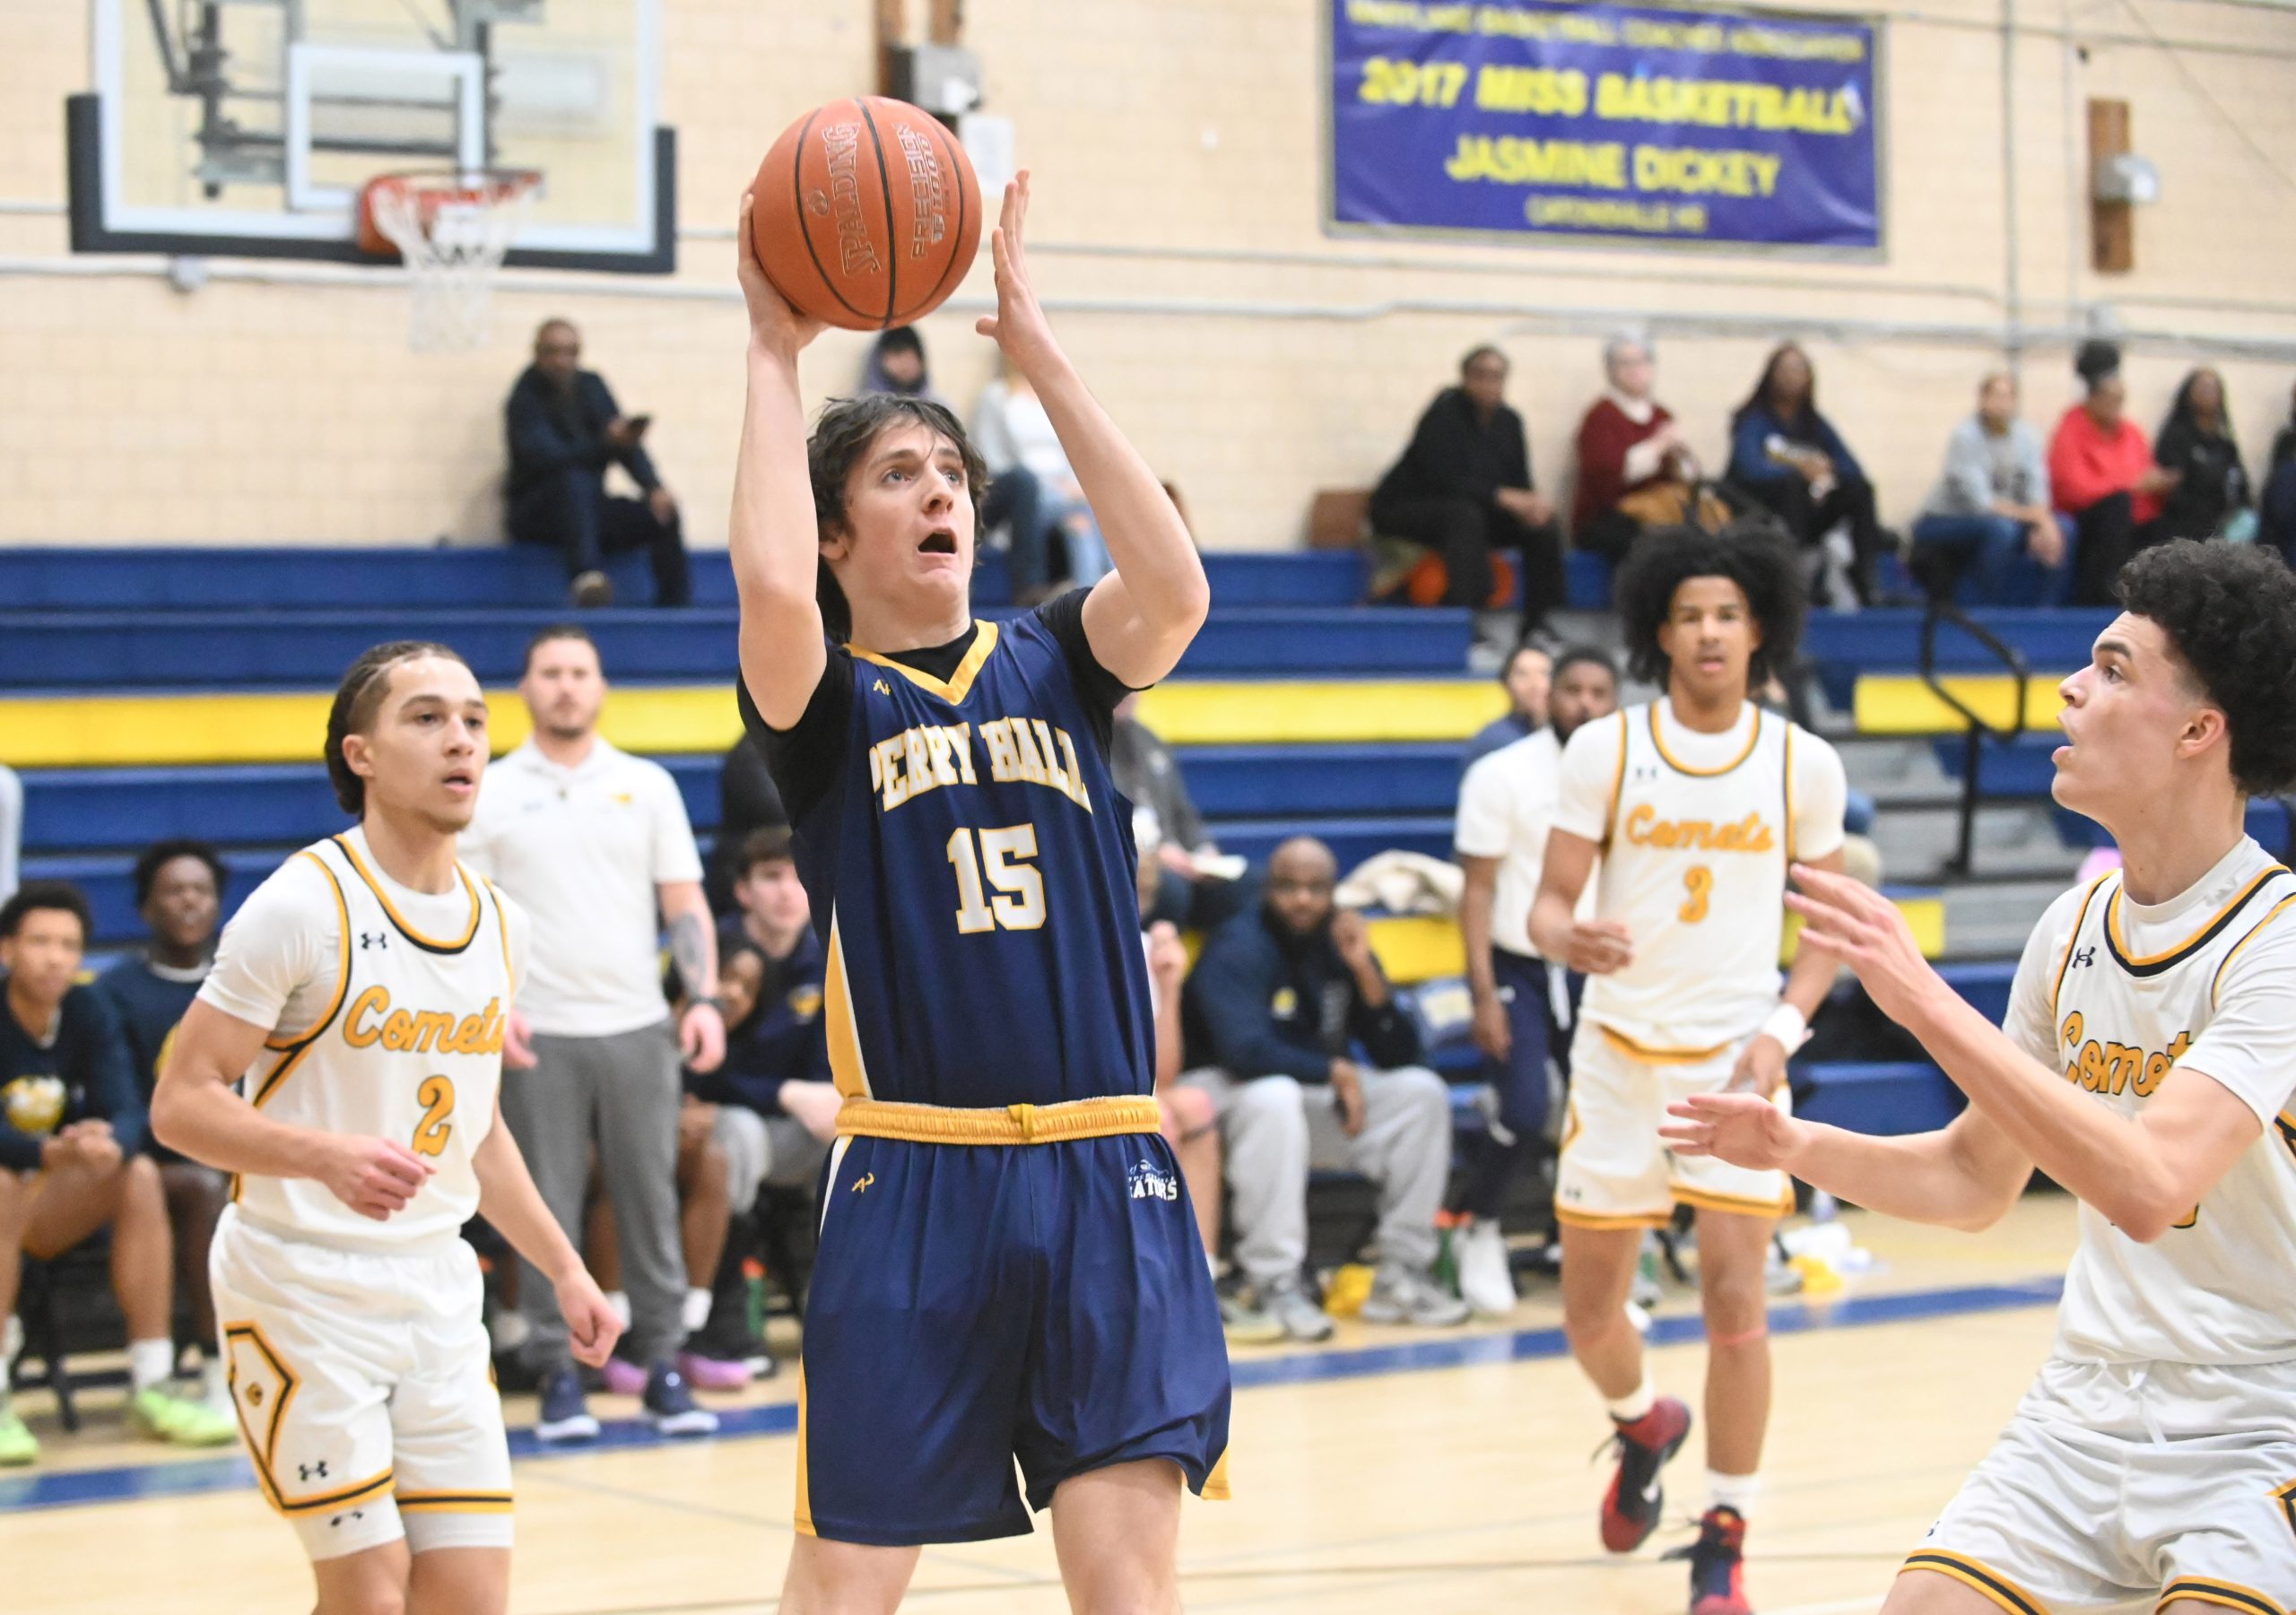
1506 804
590 840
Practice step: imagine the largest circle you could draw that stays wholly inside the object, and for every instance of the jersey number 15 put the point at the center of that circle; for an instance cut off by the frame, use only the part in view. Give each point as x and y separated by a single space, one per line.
1018 904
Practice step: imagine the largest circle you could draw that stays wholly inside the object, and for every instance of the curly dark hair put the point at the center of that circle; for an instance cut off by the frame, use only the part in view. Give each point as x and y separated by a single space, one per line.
157 856
842 438
37 896
357 700
1750 553
2229 611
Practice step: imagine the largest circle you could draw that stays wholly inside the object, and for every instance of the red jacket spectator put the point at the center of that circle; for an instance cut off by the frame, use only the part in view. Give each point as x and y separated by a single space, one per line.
1606 436
2088 461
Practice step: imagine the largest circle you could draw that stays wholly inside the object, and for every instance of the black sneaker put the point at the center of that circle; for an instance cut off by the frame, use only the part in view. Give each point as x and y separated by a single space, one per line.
565 1416
1631 1505
669 1407
1718 1564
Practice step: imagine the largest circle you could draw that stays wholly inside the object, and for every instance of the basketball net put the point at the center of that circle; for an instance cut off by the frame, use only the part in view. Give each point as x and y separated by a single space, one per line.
452 228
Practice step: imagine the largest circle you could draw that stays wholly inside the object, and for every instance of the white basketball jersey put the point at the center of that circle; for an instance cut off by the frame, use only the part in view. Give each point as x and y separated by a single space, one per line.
409 1047
1694 862
2220 1286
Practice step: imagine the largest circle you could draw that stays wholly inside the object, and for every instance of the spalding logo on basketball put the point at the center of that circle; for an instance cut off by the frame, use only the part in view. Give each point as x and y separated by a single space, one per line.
867 214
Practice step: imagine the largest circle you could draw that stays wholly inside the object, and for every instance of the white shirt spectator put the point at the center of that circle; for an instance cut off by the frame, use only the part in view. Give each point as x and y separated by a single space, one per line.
1506 808
583 850
11 830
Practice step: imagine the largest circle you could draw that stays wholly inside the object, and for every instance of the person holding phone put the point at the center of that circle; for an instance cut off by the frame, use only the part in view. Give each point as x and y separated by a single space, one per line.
564 429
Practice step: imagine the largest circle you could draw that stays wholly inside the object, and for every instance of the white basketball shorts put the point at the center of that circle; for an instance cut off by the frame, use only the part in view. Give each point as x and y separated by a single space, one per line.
364 1390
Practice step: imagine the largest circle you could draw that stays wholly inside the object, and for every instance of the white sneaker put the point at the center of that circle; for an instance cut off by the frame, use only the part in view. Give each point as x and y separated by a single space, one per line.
1486 1277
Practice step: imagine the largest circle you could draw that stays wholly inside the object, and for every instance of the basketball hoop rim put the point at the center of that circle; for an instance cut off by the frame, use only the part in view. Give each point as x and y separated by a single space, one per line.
490 185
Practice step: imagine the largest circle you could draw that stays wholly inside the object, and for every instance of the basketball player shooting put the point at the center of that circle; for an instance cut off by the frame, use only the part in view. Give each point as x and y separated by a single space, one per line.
343 1058
1696 803
1008 1264
2148 1064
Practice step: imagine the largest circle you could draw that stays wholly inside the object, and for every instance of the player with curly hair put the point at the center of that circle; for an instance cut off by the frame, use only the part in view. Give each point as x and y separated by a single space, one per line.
2148 1064
1695 803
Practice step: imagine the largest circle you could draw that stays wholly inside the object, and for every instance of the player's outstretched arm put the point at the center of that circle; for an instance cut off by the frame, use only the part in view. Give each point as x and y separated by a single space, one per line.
196 1110
773 538
1143 615
2145 1174
1964 1176
507 1198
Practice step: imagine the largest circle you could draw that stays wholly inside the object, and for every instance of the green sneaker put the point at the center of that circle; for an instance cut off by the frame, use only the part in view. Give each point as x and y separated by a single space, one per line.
18 1446
164 1416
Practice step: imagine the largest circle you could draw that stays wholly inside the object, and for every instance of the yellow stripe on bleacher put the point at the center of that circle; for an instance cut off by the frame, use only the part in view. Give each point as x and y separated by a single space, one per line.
1902 704
1281 711
131 731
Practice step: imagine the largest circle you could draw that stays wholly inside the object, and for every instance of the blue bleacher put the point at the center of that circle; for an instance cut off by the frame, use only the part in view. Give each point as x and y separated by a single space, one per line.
2022 770
1841 646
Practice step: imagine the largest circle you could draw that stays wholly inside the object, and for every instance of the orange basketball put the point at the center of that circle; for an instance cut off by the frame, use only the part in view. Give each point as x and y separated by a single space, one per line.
867 214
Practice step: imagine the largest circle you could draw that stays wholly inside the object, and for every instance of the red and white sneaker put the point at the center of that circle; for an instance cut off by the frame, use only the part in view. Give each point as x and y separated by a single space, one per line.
1631 1507
1718 1564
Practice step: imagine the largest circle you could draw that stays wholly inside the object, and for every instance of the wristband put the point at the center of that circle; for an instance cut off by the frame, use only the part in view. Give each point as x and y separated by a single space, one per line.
1788 1026
712 999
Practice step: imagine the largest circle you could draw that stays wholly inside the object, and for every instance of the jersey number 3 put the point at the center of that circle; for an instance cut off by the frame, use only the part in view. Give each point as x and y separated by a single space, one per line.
1697 881
437 1097
1019 902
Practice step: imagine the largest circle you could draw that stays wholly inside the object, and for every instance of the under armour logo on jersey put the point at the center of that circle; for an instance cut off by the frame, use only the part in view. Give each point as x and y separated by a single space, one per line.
1644 770
881 688
356 1513
2084 957
304 1472
864 1181
373 939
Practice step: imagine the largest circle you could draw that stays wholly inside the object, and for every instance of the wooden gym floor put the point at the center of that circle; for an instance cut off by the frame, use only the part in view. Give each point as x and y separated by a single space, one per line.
1390 1469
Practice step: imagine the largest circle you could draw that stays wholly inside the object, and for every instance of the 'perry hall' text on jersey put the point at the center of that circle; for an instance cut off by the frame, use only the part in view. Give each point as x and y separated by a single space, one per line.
973 864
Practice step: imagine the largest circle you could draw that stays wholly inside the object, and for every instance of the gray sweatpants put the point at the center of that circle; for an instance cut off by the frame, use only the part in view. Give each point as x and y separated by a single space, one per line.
1277 1128
619 1093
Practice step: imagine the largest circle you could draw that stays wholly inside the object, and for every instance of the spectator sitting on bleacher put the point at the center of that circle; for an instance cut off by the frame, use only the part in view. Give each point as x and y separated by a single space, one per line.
564 429
1013 434
2101 474
1991 506
1272 1014
72 1162
179 894
12 829
1506 807
1187 1116
747 801
1786 455
1463 488
1526 676
1635 469
2276 510
2211 497
1197 886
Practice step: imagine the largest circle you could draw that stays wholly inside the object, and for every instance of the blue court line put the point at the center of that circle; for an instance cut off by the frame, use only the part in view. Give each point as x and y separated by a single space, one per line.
138 1482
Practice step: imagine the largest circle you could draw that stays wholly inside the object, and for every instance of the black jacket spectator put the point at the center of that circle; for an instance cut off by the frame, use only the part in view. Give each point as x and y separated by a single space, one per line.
2277 508
85 1074
747 800
2196 443
564 429
1463 488
1262 1002
782 1039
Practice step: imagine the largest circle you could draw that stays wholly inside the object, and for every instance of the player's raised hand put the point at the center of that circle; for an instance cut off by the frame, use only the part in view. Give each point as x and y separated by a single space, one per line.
773 323
1598 947
1019 325
374 1176
1741 1128
592 1325
1866 931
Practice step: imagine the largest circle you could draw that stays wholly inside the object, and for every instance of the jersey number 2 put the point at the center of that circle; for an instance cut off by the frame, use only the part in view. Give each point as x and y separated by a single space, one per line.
1019 904
1698 880
437 1097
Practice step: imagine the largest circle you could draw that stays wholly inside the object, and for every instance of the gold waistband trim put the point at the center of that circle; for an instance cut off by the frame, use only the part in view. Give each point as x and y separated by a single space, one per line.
1012 1125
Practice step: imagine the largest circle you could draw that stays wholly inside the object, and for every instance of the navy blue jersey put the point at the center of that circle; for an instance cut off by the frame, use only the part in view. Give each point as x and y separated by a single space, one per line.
149 1001
971 866
780 1039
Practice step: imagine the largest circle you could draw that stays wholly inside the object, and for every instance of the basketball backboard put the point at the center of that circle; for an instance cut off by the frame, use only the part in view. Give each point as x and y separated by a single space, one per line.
247 127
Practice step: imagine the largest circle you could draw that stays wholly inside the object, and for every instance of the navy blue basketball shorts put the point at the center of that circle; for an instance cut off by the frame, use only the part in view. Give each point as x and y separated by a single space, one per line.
972 1304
